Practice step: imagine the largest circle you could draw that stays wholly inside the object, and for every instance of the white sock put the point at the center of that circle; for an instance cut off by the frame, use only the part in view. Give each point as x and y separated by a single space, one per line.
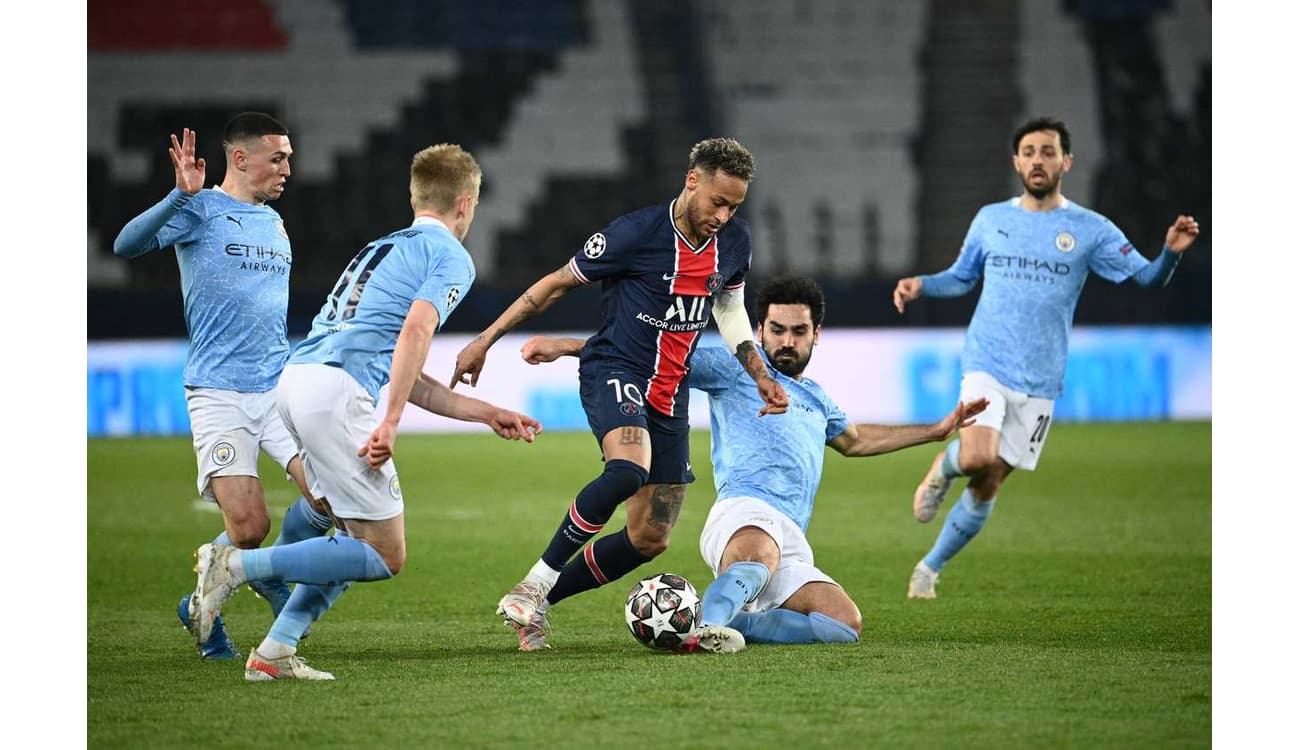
544 574
235 564
274 649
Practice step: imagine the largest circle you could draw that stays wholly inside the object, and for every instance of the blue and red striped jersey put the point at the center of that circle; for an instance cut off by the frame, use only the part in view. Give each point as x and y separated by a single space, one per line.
657 296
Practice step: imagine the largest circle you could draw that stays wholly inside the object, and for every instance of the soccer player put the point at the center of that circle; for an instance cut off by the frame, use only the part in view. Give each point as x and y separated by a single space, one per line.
1035 252
234 258
662 269
768 589
374 329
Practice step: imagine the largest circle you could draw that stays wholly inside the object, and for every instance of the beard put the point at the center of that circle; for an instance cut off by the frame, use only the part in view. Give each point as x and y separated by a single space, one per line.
1049 186
788 362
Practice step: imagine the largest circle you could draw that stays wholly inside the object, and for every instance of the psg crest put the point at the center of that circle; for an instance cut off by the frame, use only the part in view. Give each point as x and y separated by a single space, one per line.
713 282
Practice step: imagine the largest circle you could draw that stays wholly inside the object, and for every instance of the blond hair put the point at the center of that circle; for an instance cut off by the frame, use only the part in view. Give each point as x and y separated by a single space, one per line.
440 174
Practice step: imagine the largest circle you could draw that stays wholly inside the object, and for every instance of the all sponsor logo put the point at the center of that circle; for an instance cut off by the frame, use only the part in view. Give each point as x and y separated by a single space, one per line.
595 246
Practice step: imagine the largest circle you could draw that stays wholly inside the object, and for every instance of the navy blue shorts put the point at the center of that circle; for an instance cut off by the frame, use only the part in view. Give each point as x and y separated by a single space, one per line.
610 405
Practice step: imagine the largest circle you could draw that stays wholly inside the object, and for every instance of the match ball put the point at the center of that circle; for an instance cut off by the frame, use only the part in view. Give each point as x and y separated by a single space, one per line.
662 610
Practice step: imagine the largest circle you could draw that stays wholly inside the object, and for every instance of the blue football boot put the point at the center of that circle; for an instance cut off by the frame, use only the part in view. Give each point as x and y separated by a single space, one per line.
218 645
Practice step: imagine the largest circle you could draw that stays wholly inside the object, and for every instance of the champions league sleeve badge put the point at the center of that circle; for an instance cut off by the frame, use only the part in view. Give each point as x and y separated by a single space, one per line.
595 246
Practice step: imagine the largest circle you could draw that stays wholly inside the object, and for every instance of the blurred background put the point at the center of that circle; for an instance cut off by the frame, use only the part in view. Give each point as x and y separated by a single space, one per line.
879 128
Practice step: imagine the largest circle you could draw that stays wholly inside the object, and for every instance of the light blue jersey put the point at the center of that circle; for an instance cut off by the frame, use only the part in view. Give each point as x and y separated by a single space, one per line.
357 327
1034 265
234 259
776 458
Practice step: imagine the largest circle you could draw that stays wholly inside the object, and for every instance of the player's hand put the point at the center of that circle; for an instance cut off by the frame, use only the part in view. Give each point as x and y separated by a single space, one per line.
907 290
961 417
514 426
1182 233
469 363
379 448
541 349
189 173
773 396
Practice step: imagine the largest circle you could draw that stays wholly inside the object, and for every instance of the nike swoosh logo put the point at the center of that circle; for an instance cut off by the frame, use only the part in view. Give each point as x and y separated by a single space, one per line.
670 277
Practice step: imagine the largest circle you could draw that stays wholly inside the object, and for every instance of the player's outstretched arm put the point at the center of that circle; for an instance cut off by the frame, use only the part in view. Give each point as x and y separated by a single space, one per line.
139 236
541 349
434 397
538 297
1180 236
408 360
860 440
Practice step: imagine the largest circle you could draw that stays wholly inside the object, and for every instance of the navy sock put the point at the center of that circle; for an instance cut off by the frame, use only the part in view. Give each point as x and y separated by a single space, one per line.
738 585
608 559
592 508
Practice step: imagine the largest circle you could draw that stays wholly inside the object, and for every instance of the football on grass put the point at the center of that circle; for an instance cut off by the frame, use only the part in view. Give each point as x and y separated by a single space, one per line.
662 610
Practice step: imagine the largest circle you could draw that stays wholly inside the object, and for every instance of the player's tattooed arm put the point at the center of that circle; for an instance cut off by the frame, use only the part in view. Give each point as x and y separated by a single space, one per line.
538 297
774 399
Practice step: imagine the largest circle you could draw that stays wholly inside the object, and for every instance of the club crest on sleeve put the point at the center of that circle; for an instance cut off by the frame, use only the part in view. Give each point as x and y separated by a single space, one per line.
595 246
223 454
1065 242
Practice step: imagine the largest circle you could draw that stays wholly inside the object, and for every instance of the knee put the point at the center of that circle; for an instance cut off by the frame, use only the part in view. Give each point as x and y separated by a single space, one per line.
977 462
847 615
395 560
249 531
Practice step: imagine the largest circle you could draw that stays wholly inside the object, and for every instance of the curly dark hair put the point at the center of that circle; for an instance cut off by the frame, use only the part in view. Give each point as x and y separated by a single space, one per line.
793 291
726 154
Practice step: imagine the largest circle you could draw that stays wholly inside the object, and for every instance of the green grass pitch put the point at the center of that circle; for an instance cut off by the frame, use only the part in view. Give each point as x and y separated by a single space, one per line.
1081 616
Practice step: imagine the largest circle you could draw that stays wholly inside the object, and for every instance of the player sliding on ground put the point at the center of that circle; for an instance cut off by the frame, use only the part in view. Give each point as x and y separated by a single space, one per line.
768 588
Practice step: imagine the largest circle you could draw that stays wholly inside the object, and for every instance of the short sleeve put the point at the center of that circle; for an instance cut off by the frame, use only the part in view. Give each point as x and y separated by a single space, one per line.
970 261
1114 257
744 249
448 282
836 420
712 369
607 253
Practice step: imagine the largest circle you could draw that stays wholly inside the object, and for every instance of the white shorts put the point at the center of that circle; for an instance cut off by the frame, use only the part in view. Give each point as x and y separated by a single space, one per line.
796 567
331 416
1022 420
228 428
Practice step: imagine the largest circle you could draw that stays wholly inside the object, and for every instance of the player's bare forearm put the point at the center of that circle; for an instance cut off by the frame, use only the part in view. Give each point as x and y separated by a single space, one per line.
749 359
541 295
436 398
862 440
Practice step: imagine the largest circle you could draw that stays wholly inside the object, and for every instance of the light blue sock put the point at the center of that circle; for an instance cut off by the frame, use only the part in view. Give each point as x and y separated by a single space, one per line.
307 604
951 467
963 522
325 561
739 584
301 521
223 538
788 626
